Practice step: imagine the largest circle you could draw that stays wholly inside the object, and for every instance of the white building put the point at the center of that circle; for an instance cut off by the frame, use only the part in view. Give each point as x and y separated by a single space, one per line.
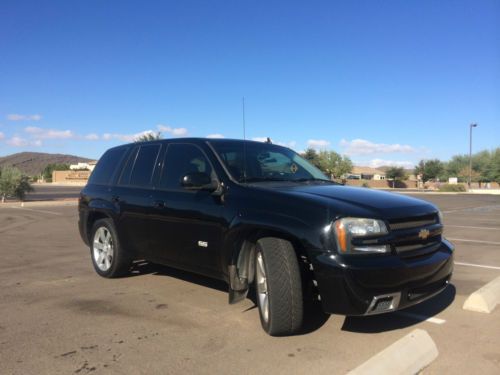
83 166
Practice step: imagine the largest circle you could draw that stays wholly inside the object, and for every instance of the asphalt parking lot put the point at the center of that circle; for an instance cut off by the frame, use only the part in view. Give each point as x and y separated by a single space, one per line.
57 316
51 192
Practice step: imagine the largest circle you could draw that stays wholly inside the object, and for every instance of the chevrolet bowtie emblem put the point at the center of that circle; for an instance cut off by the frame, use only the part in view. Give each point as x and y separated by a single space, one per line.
423 234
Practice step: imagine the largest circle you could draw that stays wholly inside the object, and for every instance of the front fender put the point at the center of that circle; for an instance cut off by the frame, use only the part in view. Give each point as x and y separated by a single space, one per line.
250 225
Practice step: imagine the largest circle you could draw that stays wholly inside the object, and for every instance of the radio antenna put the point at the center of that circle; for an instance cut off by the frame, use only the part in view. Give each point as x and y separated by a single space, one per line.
244 143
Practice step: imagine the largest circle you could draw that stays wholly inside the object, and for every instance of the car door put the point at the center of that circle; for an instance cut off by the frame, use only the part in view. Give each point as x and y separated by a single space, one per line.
187 225
133 194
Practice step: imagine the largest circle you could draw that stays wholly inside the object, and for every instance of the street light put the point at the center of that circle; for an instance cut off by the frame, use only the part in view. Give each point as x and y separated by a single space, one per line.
470 151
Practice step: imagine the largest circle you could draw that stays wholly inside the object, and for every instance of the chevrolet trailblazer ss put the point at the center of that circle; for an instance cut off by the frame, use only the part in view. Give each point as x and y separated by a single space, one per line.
260 217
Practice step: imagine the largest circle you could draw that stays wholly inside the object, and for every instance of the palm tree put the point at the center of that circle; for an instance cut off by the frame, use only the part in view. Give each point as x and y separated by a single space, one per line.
149 136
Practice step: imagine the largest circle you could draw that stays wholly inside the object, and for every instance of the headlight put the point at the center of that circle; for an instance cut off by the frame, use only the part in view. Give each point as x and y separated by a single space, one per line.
440 216
348 228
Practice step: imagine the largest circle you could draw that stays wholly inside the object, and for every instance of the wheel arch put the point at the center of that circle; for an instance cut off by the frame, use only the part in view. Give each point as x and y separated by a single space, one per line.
241 262
92 217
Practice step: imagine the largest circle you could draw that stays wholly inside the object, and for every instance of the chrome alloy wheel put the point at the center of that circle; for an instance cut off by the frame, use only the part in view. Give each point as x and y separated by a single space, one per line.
103 248
262 287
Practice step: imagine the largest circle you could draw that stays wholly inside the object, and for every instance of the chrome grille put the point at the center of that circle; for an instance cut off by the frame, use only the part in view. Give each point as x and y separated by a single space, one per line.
414 223
407 241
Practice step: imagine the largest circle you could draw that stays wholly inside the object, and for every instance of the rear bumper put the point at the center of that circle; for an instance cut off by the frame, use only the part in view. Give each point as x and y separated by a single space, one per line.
356 285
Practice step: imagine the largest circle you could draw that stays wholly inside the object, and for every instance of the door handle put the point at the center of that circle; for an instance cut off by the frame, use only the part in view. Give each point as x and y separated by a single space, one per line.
159 204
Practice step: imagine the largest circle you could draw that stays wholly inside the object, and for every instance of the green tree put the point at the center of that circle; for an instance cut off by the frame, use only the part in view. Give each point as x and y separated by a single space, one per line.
480 164
395 174
456 165
312 157
492 169
49 168
13 183
430 169
150 136
333 164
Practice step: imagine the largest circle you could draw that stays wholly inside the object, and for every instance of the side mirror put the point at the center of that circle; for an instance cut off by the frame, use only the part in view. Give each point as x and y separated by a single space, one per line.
198 181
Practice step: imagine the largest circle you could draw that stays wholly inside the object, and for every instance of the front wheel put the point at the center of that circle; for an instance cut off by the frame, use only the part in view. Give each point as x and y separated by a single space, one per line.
278 286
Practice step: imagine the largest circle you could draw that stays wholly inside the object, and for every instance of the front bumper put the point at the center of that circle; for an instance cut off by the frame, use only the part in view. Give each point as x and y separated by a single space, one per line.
355 285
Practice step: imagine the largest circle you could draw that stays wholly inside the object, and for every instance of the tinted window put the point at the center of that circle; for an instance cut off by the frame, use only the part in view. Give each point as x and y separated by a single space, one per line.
142 172
263 161
180 160
127 170
105 168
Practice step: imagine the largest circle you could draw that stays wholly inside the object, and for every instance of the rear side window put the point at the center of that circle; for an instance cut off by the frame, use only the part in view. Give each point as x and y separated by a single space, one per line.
140 166
105 168
127 170
180 160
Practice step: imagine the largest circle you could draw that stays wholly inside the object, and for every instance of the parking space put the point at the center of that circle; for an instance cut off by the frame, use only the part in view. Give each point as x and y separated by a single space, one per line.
58 316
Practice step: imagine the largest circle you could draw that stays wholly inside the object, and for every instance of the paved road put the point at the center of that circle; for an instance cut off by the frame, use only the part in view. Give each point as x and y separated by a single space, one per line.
48 192
58 317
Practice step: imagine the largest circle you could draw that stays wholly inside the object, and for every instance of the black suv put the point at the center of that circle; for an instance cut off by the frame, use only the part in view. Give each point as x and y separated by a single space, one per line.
257 214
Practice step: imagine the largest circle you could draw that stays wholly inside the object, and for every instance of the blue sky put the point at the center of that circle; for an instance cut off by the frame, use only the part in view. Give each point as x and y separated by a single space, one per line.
382 81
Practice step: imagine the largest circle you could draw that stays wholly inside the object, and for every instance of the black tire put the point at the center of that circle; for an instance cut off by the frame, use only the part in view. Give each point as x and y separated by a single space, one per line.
119 262
284 287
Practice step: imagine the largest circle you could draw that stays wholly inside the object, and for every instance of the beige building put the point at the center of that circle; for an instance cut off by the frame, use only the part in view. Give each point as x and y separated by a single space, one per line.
365 173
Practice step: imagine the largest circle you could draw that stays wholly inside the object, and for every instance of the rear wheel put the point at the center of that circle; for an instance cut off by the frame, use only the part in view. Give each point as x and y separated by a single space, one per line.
108 257
278 287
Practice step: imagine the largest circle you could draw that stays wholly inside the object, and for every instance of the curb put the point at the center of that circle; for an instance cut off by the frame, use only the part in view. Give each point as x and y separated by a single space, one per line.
484 299
408 355
28 204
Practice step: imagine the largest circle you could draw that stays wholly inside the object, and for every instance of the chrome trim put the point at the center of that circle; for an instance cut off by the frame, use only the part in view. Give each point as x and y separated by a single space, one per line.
396 297
412 224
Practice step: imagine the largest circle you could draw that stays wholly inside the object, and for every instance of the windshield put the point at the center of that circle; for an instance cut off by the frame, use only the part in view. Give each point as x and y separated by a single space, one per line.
265 162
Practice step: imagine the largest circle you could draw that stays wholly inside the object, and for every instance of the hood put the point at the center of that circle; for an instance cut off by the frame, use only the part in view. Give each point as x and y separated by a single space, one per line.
346 200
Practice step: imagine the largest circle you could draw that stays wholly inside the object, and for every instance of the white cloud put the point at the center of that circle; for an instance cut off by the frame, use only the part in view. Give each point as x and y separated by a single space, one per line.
216 135
2 136
290 144
17 142
318 143
377 163
39 133
132 137
178 132
364 147
18 117
91 137
22 142
125 137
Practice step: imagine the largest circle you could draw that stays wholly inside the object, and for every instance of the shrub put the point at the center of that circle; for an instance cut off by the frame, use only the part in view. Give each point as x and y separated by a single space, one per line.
365 184
13 184
452 188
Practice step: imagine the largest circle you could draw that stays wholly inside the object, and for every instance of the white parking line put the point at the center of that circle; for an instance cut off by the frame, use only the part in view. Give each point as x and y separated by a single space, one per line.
421 317
42 211
472 209
489 213
466 226
477 265
475 241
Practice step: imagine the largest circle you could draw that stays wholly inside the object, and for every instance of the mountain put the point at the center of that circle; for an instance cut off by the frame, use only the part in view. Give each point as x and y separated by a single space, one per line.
32 163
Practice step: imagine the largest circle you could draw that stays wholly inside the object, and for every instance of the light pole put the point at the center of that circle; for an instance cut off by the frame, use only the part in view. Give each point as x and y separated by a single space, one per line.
470 151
